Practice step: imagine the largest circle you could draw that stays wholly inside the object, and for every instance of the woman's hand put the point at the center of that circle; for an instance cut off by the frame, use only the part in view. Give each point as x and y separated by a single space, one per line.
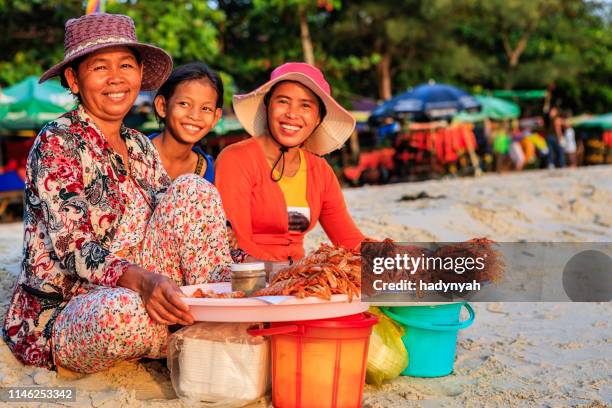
160 295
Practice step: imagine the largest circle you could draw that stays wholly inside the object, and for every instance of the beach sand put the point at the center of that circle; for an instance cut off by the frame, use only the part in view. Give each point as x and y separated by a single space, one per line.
515 354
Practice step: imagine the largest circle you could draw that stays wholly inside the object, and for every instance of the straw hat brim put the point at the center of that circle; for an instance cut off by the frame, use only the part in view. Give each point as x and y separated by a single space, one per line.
157 63
330 135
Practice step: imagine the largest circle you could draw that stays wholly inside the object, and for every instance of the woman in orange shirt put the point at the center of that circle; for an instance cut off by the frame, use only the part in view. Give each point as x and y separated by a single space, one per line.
274 186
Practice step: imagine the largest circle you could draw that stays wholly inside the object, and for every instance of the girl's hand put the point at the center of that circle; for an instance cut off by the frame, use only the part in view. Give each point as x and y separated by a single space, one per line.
251 258
231 238
160 295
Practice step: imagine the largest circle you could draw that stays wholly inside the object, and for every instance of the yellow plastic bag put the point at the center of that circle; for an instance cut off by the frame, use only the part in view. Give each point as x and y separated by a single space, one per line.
387 356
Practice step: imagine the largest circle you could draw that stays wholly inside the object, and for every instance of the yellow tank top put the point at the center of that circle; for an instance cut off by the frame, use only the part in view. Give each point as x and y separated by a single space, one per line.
294 187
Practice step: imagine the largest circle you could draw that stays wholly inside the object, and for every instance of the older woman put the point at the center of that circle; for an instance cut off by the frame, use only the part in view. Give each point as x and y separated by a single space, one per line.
107 238
274 186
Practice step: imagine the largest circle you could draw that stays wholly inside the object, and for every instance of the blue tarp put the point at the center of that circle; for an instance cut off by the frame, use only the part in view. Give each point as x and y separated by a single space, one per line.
10 181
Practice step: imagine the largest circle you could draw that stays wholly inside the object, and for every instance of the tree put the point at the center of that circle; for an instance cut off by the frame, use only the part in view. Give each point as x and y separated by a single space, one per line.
255 40
31 36
302 8
187 30
396 38
365 47
532 44
513 24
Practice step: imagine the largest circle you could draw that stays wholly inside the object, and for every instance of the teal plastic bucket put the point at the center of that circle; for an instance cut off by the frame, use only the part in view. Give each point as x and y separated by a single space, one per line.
430 336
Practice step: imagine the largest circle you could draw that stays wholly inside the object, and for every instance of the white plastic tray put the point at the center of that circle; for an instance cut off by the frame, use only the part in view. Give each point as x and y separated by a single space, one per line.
268 308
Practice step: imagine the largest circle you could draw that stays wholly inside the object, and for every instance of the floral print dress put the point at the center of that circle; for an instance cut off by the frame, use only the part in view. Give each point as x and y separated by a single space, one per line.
79 237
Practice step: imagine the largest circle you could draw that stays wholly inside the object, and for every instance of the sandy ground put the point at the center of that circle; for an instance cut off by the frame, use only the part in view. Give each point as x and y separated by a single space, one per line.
515 354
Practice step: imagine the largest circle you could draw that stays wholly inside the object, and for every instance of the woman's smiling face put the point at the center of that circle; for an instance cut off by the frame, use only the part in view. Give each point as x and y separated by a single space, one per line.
108 82
293 113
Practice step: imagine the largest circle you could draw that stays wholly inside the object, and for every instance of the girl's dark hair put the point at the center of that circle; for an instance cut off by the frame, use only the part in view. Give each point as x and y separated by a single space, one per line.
322 108
75 67
190 72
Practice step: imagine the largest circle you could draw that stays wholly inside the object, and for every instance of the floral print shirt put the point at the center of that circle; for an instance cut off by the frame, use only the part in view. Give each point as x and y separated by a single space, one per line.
73 206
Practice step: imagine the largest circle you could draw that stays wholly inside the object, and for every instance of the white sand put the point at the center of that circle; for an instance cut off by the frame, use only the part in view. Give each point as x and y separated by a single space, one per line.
515 354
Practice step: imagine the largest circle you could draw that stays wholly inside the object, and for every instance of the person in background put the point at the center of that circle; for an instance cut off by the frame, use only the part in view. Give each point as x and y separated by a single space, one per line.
274 186
554 138
387 132
501 145
482 132
529 147
569 137
515 151
108 238
188 105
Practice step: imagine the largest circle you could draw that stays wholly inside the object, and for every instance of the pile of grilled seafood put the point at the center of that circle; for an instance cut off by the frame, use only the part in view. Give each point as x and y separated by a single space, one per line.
199 293
327 271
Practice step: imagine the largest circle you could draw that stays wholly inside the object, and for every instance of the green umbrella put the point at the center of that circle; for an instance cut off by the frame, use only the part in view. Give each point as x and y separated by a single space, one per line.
4 100
497 108
29 105
469 117
227 125
492 108
601 121
530 94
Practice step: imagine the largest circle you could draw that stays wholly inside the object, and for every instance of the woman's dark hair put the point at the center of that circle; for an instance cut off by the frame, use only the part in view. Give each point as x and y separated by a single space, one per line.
75 67
322 108
190 72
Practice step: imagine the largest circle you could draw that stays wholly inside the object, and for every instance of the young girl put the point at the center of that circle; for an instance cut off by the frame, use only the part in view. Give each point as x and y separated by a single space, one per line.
188 105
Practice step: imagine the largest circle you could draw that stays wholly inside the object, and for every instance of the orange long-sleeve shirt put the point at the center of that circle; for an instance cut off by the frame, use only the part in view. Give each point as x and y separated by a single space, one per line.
256 207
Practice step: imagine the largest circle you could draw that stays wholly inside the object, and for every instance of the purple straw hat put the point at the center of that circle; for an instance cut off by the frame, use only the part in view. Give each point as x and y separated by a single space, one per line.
94 32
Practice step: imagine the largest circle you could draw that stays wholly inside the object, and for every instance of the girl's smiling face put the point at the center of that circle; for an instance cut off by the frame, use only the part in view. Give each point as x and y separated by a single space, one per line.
191 112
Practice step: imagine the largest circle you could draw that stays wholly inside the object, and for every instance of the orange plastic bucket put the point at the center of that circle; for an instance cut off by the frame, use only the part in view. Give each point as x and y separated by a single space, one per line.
319 363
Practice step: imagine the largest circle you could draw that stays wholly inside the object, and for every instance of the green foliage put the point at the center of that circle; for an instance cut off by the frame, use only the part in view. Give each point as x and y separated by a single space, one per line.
188 30
23 64
32 36
476 44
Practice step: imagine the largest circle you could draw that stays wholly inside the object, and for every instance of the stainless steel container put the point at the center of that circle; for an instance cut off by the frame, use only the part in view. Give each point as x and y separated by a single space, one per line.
248 277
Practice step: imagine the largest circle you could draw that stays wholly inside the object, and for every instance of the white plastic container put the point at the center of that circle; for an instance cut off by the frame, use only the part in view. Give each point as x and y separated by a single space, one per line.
215 364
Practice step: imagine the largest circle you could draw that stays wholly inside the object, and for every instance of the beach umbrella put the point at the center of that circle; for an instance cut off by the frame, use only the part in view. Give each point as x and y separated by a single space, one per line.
29 105
518 94
432 100
497 108
227 125
4 104
469 117
491 108
601 121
